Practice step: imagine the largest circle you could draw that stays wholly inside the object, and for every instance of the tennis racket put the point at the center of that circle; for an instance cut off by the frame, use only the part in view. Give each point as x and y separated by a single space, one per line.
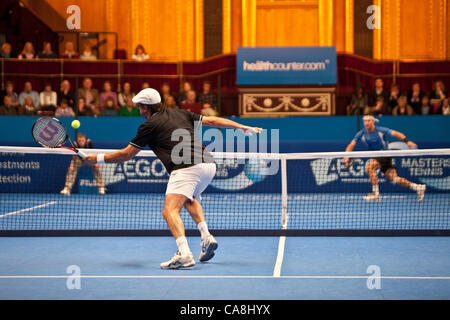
51 133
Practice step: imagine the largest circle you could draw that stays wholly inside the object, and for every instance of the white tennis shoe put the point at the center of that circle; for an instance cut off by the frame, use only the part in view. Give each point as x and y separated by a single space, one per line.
101 191
209 245
421 192
178 261
65 192
373 197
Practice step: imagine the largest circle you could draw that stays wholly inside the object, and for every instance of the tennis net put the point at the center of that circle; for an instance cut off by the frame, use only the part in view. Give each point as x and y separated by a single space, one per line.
251 194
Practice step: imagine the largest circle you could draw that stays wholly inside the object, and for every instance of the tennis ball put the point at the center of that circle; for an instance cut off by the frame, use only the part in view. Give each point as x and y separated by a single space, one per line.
76 124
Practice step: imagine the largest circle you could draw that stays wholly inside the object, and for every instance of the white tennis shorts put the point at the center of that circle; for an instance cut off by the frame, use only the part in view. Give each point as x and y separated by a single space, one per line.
191 181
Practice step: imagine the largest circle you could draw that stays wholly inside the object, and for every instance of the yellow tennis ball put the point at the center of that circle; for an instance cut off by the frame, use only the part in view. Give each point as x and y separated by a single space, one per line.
76 124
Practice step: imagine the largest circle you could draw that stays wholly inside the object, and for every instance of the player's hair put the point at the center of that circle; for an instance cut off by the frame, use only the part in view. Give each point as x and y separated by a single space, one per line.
154 108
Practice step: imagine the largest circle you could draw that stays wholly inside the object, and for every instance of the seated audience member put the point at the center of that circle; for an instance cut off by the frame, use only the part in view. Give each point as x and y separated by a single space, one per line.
48 101
444 109
380 108
394 94
69 51
402 108
27 52
129 110
170 103
5 51
207 110
8 109
124 94
64 110
377 92
47 52
110 108
87 53
29 92
140 54
190 103
425 108
145 85
90 95
85 110
28 107
165 92
207 98
9 91
183 93
65 92
358 103
106 94
415 96
437 95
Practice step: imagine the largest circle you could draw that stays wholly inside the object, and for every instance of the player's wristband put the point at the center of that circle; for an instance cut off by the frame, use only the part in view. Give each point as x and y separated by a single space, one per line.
101 158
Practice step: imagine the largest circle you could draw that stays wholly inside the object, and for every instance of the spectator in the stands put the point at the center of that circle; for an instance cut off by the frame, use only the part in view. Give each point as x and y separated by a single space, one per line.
358 103
5 52
190 103
183 93
110 108
402 108
145 85
8 109
394 94
166 91
85 110
69 51
87 53
64 110
380 108
129 110
208 110
65 92
140 54
9 91
437 95
425 108
48 101
47 52
170 102
124 94
29 92
106 94
207 98
28 107
415 96
377 92
90 95
27 52
444 109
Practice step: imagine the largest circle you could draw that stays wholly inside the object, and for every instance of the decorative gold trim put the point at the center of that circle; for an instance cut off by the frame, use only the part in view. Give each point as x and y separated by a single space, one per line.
377 39
226 26
349 39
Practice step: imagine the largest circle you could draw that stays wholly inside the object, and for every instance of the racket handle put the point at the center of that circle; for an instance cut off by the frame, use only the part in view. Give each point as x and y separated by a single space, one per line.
81 154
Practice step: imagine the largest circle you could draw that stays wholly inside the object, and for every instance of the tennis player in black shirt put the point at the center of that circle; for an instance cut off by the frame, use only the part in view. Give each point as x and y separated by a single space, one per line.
170 133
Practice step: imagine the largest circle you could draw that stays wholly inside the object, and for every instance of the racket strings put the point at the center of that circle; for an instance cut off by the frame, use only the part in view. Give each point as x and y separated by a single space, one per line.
49 132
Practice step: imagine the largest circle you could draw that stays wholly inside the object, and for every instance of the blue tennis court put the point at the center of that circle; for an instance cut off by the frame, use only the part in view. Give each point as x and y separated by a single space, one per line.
270 267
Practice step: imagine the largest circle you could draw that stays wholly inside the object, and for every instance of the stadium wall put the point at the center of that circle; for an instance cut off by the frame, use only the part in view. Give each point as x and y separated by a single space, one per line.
296 134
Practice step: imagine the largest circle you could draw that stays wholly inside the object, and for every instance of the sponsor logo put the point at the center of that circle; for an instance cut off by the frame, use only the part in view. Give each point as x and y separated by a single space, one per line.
284 66
431 171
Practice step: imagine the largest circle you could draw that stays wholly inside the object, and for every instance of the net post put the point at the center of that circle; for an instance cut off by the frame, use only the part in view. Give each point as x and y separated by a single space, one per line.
284 197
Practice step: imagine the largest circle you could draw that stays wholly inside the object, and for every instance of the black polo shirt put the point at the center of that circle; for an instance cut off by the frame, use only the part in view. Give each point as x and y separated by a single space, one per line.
170 133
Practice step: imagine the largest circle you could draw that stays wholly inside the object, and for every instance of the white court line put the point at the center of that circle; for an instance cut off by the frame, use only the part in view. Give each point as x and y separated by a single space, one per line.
224 277
280 255
28 209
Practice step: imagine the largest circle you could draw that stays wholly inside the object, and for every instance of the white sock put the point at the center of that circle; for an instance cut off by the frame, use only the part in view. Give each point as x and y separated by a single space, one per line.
203 228
413 186
183 246
375 189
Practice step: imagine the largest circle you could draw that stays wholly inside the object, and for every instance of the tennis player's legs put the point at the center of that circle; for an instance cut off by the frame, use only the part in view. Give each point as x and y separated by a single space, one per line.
185 186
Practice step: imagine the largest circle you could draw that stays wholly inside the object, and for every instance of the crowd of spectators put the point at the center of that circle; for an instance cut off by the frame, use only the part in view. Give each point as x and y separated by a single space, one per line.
88 52
395 102
88 101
